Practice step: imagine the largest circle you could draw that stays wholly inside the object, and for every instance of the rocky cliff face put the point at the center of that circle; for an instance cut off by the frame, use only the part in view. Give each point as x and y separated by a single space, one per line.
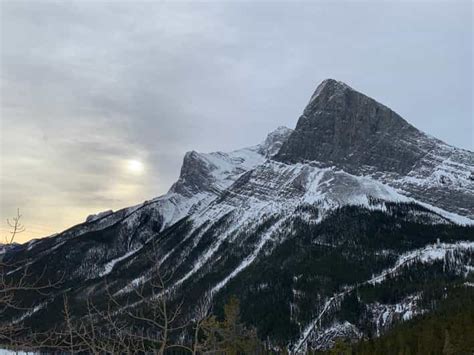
344 128
354 202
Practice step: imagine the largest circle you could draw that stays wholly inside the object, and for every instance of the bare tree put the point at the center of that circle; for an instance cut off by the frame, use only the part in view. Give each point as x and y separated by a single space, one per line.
98 332
16 227
151 323
12 330
8 288
202 317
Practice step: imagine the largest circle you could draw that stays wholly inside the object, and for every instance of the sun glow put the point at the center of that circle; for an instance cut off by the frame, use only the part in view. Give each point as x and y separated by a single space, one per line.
135 166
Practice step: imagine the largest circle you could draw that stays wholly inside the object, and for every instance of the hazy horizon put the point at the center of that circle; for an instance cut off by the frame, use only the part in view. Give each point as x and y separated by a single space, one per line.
100 101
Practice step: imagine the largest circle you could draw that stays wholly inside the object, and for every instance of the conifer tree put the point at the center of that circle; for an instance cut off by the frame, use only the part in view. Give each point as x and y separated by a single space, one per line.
230 336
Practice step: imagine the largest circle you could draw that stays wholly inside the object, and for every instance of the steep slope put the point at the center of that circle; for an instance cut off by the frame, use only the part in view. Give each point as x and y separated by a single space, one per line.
294 226
344 128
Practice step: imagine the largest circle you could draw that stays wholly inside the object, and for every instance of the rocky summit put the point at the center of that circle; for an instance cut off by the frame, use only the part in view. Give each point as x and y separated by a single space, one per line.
343 227
343 127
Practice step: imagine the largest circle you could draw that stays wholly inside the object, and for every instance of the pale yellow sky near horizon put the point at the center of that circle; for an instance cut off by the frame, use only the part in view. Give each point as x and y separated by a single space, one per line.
40 228
38 224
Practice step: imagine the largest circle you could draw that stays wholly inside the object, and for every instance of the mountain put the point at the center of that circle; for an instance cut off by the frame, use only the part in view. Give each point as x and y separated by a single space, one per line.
350 223
344 128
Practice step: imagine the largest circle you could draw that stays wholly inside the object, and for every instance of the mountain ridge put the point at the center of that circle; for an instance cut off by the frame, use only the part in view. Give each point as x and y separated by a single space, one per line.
343 125
345 128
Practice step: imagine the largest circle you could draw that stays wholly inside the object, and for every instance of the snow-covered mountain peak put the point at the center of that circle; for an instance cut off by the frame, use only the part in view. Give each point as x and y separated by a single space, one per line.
212 172
275 139
347 129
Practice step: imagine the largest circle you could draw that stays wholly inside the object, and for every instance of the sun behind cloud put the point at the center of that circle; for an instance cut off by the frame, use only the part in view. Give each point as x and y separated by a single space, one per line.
135 166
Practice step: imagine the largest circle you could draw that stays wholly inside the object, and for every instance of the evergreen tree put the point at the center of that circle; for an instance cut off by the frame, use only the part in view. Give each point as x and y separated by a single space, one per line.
341 348
230 336
448 348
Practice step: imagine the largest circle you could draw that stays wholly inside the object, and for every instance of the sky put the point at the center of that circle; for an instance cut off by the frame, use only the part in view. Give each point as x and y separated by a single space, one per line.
100 100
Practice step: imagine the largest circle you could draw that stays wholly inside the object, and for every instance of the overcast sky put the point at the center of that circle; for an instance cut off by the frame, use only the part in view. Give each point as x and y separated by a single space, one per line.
87 86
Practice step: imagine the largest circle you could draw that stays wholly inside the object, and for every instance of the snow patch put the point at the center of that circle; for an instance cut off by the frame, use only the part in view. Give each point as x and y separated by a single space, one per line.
110 265
267 236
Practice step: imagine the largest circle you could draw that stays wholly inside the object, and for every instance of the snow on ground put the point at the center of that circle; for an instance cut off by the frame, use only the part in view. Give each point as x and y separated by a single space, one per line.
458 175
29 312
453 217
110 265
95 217
132 285
386 314
239 222
325 339
427 254
226 167
267 236
174 207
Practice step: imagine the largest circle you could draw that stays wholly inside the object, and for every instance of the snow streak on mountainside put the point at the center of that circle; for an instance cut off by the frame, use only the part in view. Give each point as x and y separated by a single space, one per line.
353 187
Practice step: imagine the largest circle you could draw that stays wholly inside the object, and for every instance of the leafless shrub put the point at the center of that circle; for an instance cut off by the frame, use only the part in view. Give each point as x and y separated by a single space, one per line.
12 331
151 324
